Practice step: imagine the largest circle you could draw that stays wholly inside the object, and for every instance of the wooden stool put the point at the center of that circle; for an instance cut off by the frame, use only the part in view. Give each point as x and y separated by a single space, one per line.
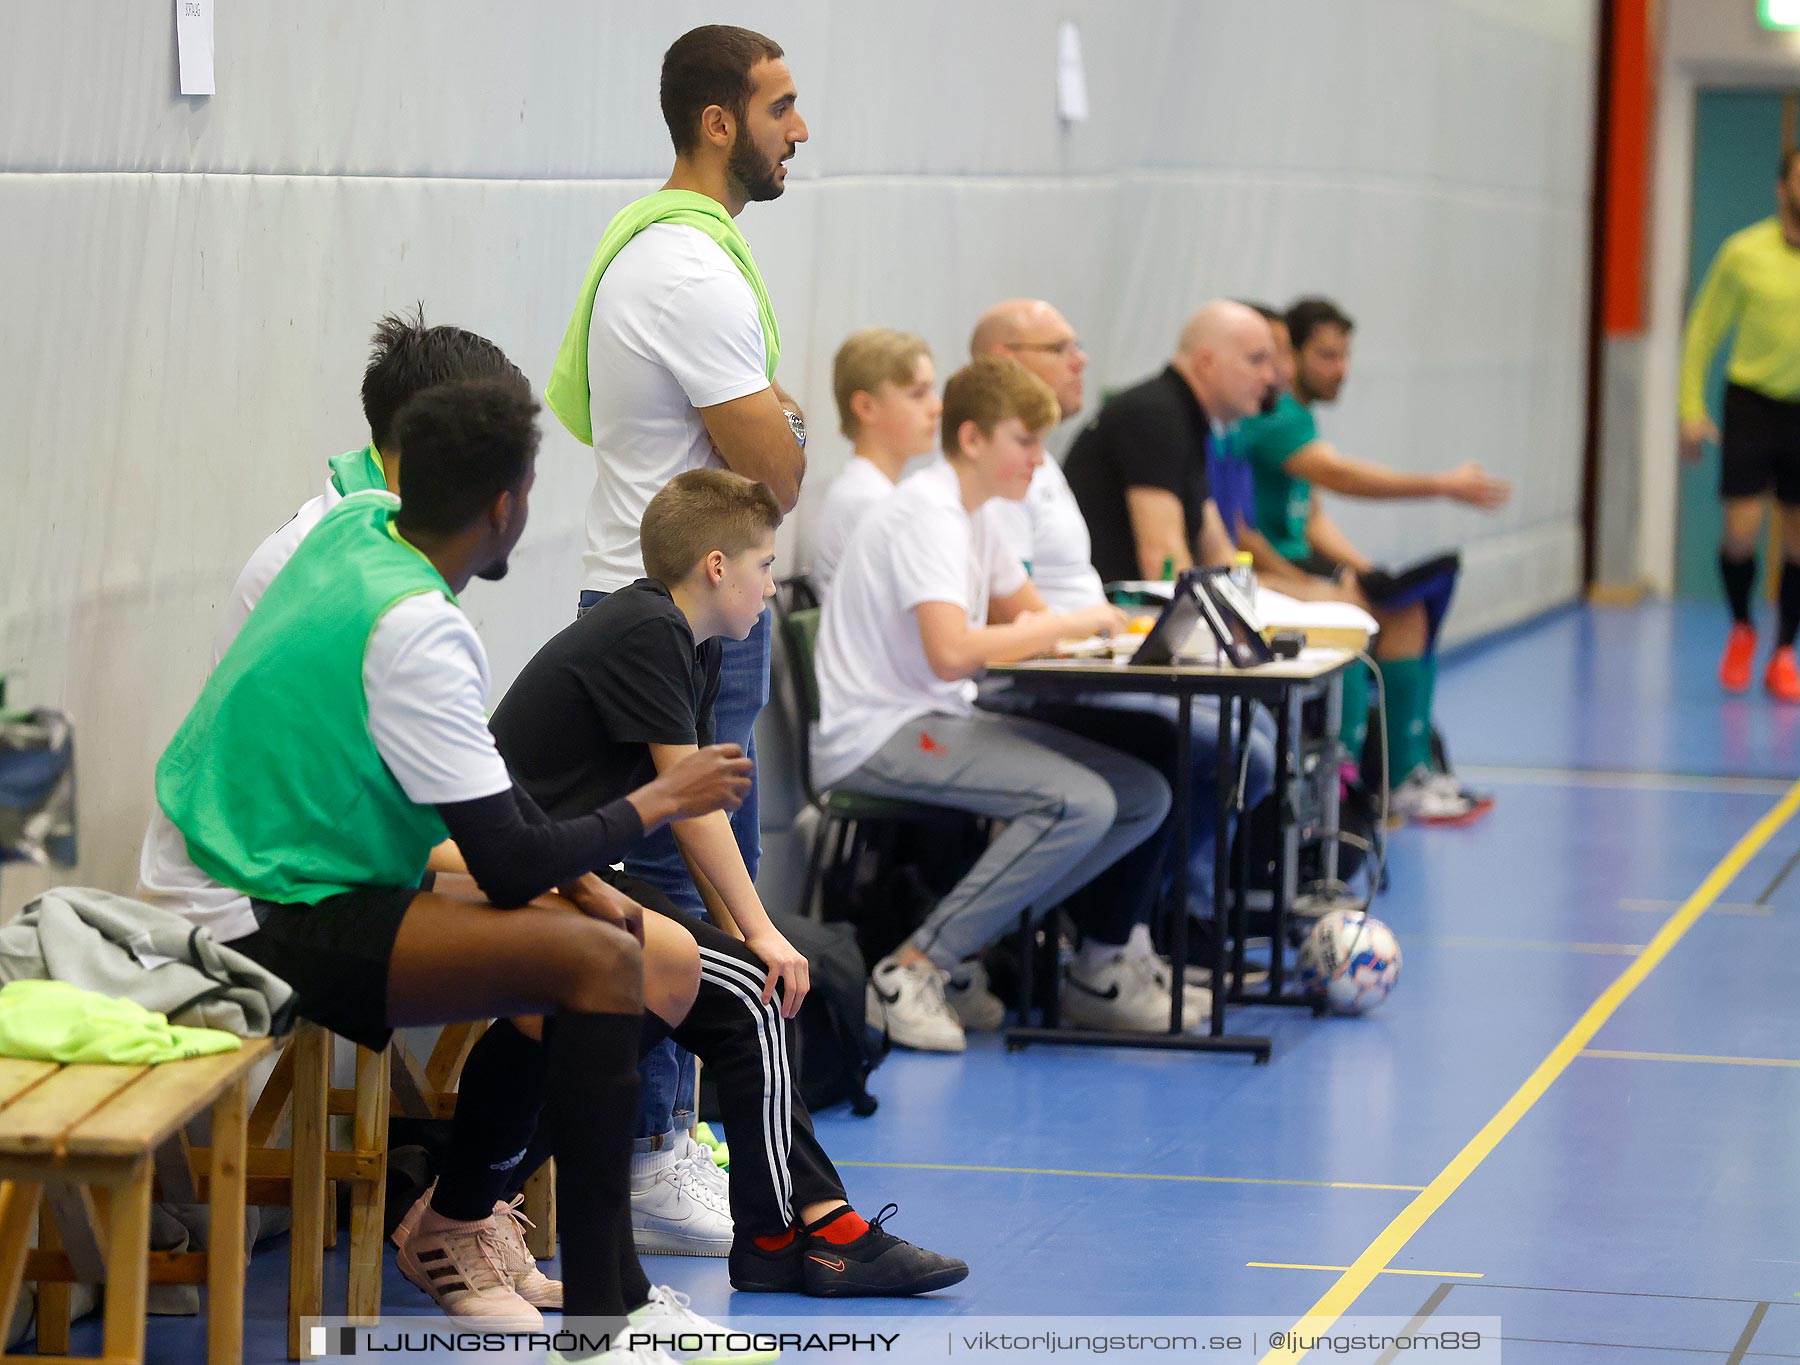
93 1140
303 1174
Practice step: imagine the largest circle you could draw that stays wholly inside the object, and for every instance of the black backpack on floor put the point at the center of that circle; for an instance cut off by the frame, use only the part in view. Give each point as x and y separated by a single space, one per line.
836 1049
832 1049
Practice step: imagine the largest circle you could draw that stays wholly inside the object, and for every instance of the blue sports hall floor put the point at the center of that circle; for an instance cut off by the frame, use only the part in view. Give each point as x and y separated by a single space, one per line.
1579 1112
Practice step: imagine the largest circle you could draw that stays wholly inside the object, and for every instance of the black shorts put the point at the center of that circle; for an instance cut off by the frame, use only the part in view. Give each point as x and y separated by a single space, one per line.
335 955
1760 447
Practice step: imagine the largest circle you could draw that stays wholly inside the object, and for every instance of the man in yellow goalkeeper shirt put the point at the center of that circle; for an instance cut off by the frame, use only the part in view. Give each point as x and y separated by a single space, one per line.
1753 289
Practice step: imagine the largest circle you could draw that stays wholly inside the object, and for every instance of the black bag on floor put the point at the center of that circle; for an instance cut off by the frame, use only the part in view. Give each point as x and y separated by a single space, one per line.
832 1049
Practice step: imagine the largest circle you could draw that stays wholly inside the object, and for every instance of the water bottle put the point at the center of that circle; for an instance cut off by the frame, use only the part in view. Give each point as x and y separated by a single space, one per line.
1243 575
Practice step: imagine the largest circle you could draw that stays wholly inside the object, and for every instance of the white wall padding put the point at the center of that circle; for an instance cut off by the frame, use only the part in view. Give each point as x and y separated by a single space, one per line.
189 283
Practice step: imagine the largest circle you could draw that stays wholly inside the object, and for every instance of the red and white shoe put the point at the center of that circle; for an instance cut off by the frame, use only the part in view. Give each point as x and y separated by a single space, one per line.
1740 653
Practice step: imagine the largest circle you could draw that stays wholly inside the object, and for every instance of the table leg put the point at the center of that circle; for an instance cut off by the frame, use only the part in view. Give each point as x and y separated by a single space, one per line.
1178 891
1289 844
1222 901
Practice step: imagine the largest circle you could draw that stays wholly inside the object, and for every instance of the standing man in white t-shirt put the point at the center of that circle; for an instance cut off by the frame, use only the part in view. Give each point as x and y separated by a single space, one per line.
668 365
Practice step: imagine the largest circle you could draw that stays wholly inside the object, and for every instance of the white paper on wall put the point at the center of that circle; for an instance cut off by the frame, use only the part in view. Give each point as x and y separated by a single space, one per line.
194 45
1071 75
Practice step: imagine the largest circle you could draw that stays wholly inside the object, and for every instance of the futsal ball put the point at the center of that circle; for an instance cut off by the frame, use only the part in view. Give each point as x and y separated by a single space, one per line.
1351 959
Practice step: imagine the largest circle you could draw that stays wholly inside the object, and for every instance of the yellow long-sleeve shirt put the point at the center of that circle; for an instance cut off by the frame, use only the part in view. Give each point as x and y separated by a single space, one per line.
1753 285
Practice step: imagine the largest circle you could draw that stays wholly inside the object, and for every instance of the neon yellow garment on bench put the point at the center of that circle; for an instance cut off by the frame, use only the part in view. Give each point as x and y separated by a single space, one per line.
567 392
52 1021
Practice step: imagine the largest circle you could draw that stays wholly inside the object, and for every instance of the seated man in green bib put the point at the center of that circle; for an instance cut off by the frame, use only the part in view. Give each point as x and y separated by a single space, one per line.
1295 539
327 756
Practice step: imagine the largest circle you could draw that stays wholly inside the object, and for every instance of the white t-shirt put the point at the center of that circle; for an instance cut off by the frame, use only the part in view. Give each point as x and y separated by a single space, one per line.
858 489
264 563
918 546
675 329
426 678
1047 531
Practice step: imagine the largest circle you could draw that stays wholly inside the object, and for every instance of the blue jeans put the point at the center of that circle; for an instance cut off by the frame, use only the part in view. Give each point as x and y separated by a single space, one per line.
666 1098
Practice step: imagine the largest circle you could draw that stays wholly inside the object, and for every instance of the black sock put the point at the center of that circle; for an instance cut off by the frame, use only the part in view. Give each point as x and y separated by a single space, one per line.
1740 578
592 1108
634 1284
498 1105
1790 603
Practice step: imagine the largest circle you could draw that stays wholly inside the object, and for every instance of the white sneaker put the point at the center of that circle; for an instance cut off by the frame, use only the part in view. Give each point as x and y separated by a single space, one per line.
1428 798
460 1267
970 1000
1119 995
907 1002
666 1313
1196 998
715 1175
621 1355
678 1211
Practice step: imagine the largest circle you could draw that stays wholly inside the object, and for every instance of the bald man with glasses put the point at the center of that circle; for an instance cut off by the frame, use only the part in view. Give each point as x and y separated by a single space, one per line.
1046 529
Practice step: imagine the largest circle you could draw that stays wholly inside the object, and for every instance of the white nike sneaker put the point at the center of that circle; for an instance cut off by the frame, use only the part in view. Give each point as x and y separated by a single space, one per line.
908 1003
667 1314
1196 998
678 1211
460 1267
970 1000
716 1175
1121 995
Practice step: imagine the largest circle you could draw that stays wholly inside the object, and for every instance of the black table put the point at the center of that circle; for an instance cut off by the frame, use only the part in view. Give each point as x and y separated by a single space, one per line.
1279 685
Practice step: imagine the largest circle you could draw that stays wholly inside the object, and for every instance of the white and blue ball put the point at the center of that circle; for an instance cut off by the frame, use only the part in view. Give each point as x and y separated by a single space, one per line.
1351 959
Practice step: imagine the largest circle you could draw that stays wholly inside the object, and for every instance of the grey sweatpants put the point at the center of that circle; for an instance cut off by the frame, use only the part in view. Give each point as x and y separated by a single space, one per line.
1072 808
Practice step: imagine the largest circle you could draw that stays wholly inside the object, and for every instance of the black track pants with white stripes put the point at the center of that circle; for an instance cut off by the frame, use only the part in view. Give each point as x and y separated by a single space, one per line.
777 1165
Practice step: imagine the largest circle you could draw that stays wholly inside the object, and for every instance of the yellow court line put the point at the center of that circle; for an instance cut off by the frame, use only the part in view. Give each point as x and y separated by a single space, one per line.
1618 1056
1429 1274
1349 1286
1530 945
1131 1175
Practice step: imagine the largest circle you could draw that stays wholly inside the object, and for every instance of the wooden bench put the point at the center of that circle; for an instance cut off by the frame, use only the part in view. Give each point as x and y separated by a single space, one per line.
90 1142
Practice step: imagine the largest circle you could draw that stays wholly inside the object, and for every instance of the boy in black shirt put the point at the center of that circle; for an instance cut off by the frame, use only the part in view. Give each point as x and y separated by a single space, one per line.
624 693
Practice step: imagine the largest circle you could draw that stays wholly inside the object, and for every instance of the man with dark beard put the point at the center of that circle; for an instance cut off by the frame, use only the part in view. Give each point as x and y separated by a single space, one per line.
668 365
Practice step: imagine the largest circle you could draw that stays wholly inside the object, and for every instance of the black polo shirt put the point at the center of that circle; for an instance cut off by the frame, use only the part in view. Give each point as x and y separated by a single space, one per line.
576 726
1153 435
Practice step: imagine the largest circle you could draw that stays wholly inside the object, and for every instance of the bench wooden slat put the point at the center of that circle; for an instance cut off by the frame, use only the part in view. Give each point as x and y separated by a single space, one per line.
37 1123
144 1116
18 1075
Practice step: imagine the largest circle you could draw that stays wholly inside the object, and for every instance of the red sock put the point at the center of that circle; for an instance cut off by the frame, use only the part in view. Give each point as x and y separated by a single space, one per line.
840 1228
777 1242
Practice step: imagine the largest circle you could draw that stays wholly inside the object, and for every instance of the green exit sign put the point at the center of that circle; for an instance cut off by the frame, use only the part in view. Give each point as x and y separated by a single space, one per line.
1783 15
